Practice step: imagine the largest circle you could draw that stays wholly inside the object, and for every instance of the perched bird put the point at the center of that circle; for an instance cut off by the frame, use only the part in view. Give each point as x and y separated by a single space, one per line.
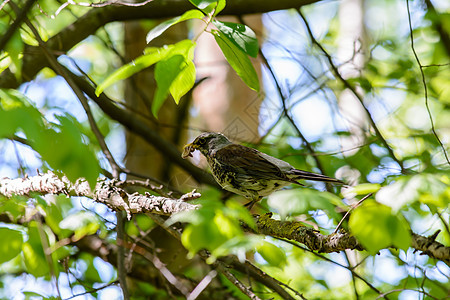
247 171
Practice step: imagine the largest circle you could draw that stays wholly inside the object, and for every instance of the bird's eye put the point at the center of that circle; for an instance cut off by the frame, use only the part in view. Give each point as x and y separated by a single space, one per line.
201 141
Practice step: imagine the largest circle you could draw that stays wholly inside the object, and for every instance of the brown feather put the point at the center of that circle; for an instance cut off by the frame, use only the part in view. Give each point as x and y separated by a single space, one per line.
250 161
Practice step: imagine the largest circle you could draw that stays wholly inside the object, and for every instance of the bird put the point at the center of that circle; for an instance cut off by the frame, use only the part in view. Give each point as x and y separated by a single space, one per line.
246 171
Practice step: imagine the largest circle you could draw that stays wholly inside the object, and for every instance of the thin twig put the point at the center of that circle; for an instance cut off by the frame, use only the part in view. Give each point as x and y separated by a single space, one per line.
338 264
355 289
21 15
352 208
406 289
354 92
424 82
230 276
202 285
91 291
287 115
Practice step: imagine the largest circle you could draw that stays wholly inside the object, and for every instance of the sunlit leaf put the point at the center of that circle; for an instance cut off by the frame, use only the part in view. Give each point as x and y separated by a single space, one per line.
150 57
202 236
430 188
377 228
211 227
81 223
64 150
159 29
202 3
174 74
272 254
165 73
219 7
238 245
238 60
15 47
33 252
302 200
11 245
240 35
184 82
365 188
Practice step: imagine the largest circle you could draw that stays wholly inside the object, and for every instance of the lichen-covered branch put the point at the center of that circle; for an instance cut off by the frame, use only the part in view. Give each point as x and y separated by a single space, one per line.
429 246
339 241
111 193
108 192
308 236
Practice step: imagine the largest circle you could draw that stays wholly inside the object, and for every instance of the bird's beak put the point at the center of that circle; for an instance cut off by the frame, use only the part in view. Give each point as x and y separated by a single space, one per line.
187 151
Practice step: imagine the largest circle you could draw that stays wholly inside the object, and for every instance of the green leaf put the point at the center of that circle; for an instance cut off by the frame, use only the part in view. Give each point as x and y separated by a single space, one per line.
272 254
165 73
34 256
15 47
91 274
174 74
14 207
215 7
11 245
240 35
211 227
431 189
302 200
159 29
238 245
236 211
202 236
151 56
227 226
202 3
365 188
54 215
64 150
61 147
184 82
16 113
238 60
220 6
82 224
377 228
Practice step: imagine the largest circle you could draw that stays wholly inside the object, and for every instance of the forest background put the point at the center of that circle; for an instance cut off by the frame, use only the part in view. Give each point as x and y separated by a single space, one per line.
97 100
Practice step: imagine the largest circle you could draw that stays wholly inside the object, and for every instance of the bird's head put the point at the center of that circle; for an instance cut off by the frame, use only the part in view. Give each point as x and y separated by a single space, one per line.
205 143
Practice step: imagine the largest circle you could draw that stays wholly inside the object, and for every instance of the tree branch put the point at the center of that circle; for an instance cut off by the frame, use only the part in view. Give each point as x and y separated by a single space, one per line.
21 15
89 23
139 127
110 193
308 236
107 192
340 241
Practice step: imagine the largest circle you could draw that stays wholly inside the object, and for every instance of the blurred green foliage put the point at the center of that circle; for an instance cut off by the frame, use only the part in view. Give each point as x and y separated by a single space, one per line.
390 82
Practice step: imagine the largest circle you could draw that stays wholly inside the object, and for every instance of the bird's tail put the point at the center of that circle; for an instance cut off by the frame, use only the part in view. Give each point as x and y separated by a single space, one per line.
299 174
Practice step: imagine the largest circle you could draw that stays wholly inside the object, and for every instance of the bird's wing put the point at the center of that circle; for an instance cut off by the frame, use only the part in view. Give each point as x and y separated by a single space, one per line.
249 161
